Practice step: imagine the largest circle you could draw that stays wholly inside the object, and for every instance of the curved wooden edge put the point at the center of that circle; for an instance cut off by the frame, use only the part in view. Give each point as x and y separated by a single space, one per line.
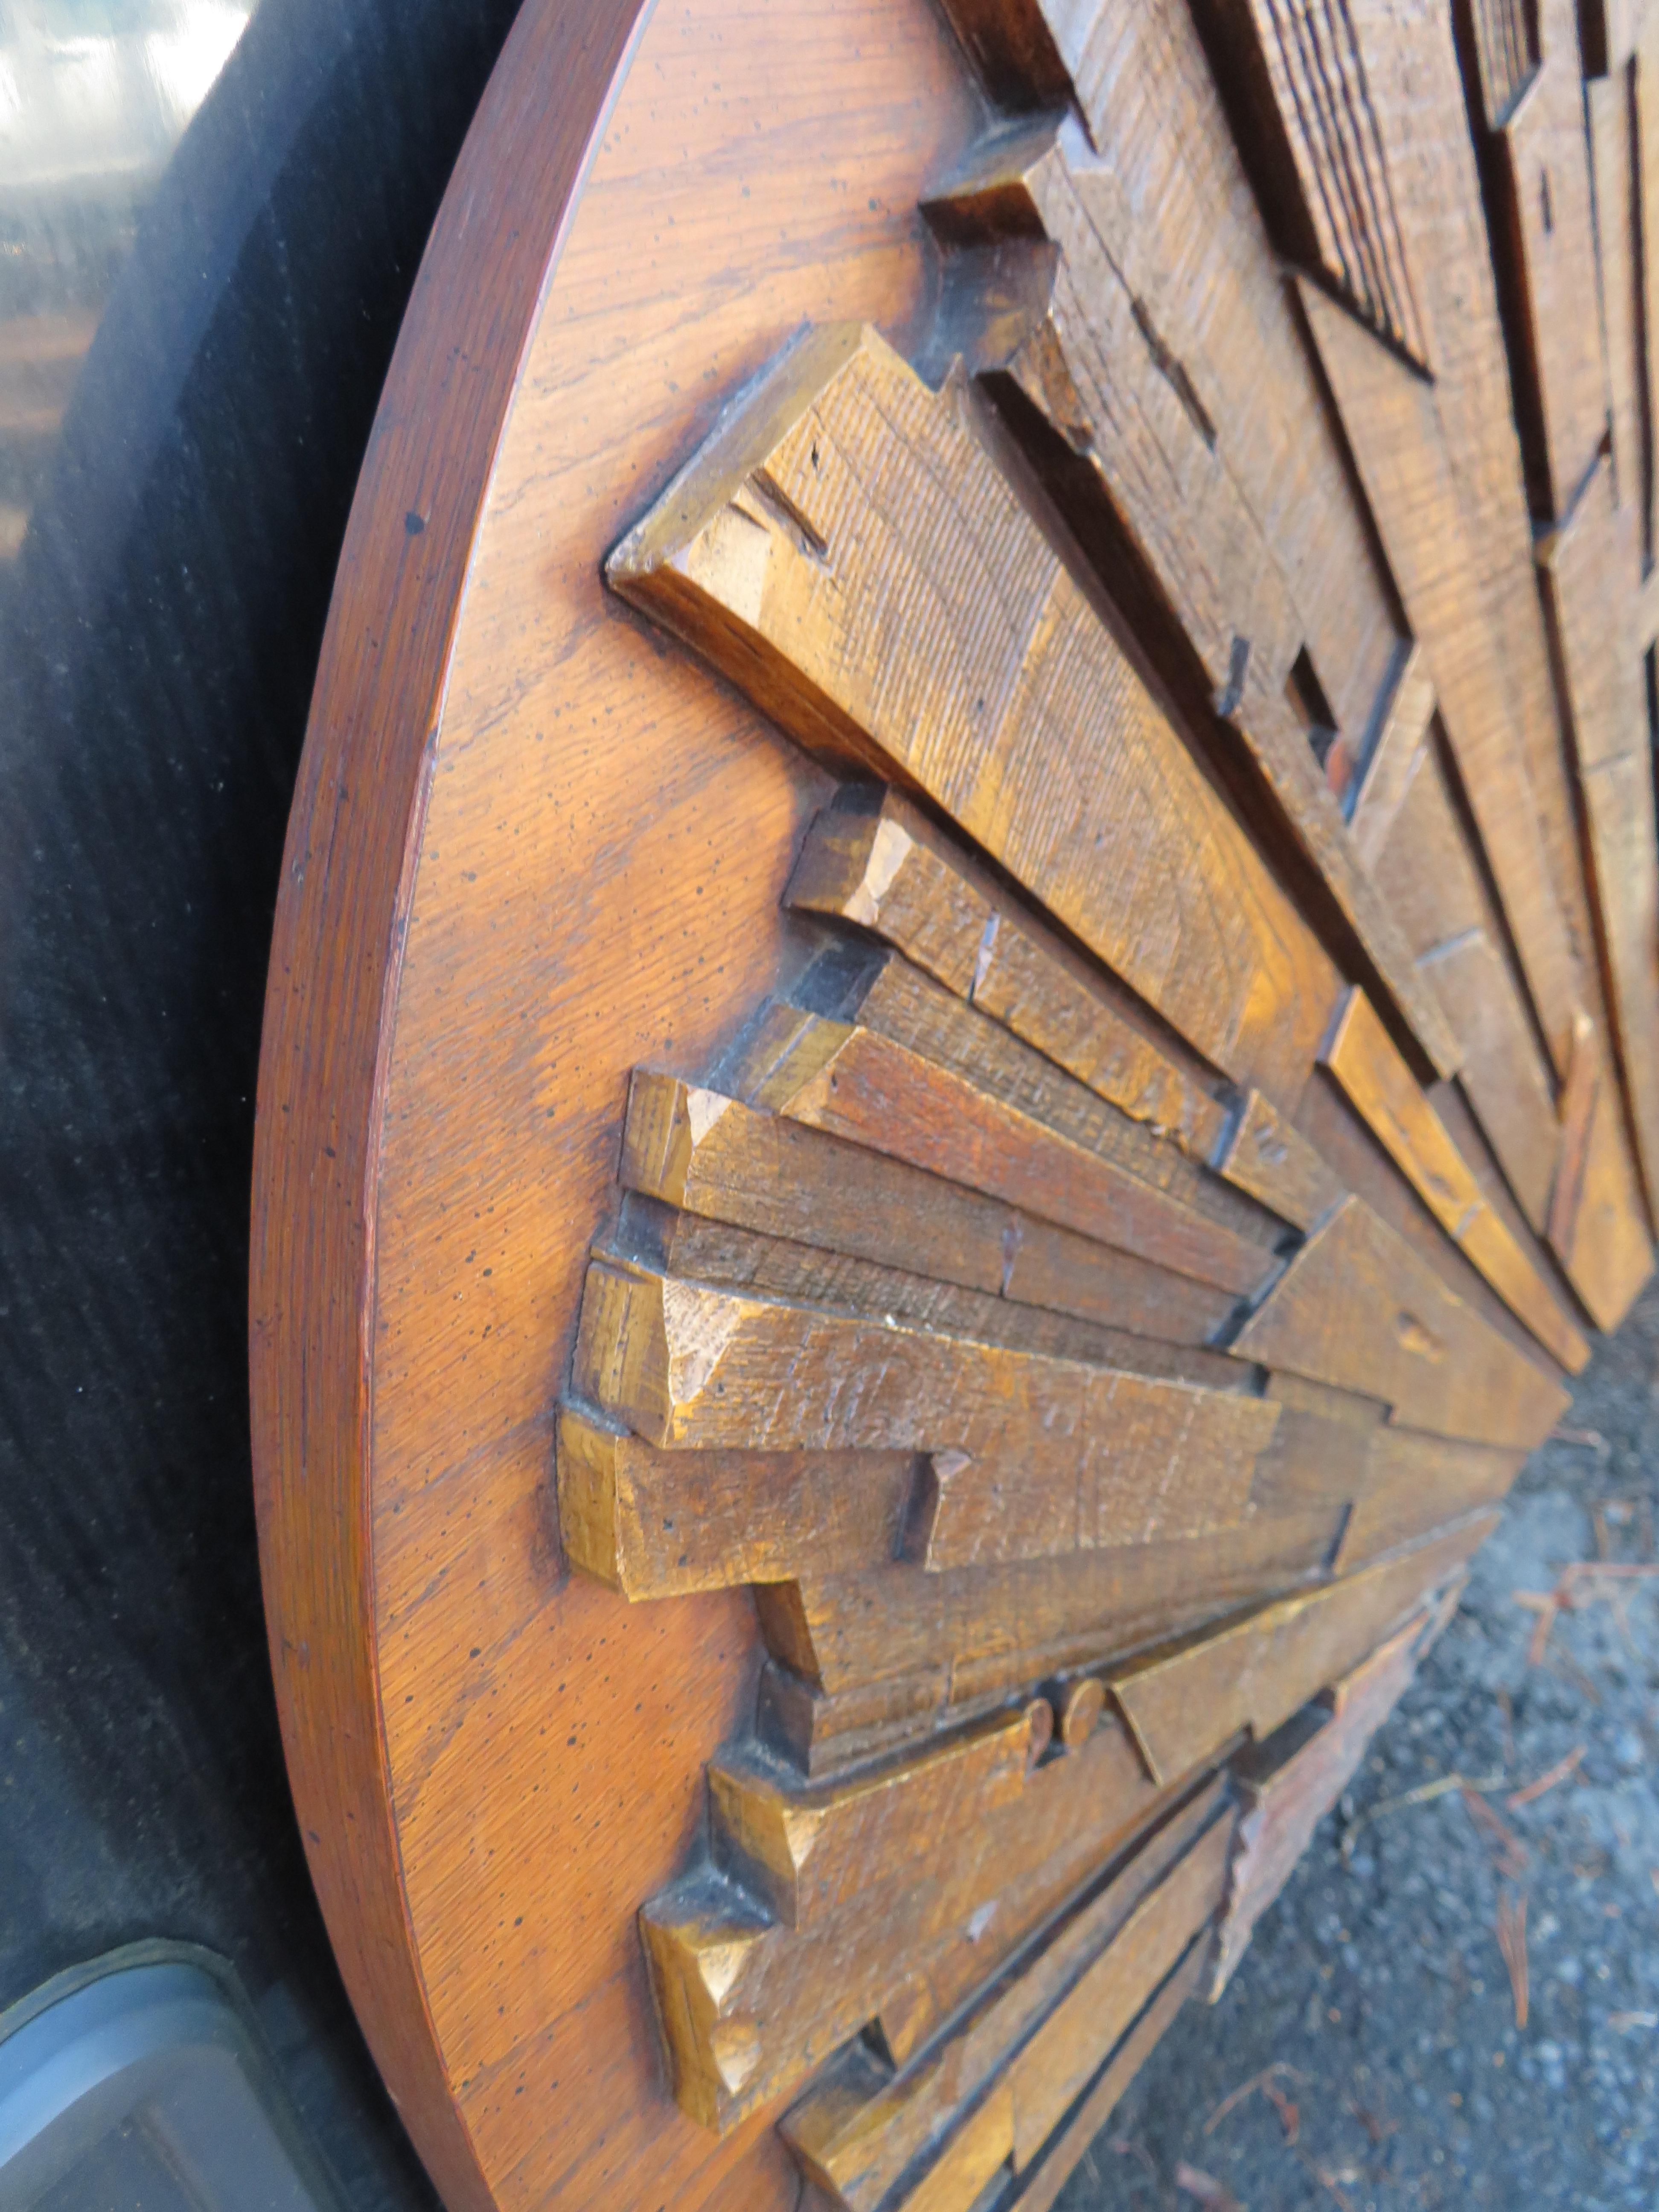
378 698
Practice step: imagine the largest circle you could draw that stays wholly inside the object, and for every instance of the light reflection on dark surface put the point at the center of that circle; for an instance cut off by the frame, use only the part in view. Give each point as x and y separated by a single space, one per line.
93 97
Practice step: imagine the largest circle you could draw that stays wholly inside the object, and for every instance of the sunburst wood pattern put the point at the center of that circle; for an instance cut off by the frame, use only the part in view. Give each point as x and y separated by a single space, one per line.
851 550
1036 1347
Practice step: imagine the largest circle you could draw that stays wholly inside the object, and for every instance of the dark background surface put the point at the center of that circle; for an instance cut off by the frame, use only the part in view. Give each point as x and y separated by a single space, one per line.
1376 1983
158 639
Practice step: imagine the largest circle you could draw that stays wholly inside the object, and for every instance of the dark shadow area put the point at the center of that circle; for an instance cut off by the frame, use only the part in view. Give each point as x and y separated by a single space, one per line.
158 639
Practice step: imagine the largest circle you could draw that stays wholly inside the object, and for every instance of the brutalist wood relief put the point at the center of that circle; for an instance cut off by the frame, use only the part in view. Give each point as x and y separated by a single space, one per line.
961 1041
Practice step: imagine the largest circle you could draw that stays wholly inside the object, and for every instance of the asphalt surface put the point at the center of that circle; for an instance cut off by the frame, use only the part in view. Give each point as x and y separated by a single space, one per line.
1375 1989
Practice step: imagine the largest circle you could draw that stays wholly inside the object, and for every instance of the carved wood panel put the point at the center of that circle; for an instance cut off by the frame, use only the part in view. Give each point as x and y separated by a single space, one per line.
946 1092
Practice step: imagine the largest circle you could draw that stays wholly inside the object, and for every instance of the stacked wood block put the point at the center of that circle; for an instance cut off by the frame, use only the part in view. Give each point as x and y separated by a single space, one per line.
1016 992
1098 1304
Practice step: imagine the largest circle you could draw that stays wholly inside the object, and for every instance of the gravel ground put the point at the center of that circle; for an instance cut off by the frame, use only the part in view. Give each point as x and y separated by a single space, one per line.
1375 1988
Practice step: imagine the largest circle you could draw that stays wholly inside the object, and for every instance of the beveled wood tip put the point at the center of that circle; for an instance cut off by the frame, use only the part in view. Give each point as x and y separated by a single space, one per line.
748 430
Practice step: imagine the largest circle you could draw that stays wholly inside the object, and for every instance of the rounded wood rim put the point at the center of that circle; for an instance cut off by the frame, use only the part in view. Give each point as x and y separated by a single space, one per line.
348 1343
353 840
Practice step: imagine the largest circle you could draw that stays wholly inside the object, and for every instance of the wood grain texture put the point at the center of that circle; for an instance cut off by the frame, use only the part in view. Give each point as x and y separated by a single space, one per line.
1583 564
1256 1673
1398 445
1301 65
1287 1791
345 903
1033 1454
1072 2043
1318 1459
1610 120
1000 1625
749 2005
1331 1123
1412 1483
901 1005
713 1159
1228 964
1644 101
991 1098
1060 1293
1357 1310
1063 2153
655 1524
863 2123
1166 355
1505 36
1179 430
1394 756
1547 229
434 1009
1414 69
1408 821
887 870
808 1851
1402 92
1384 1092
855 1084
1594 1225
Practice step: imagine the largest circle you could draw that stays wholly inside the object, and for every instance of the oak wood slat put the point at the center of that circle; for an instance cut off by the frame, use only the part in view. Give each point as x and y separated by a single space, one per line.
1111 824
1400 448
1330 1122
1418 90
1065 2149
1100 379
1318 1459
894 1001
1070 2045
1506 54
1406 817
1414 1482
996 1627
1361 1057
889 871
716 1160
808 1850
1289 1783
1357 1308
1547 230
1610 119
1256 1673
1595 1221
1582 566
1298 64
656 1524
1059 1293
1044 1455
855 1084
749 2006
1405 99
860 2125
1644 104
1481 390
1335 1451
